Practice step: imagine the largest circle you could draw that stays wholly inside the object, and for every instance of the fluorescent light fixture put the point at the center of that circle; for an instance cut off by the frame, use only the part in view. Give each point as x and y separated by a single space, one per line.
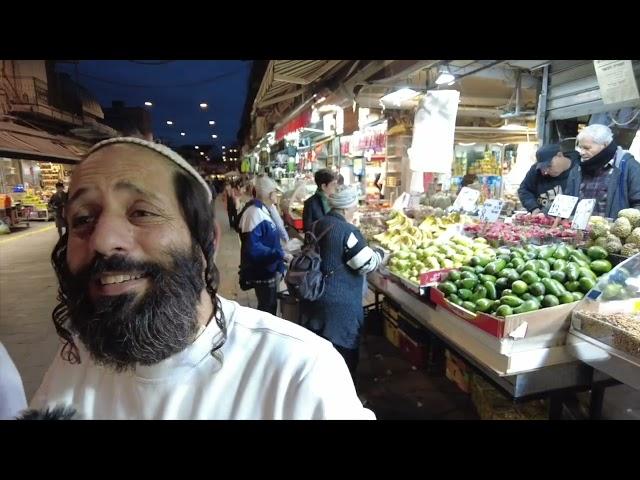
399 96
148 104
182 133
445 77
513 126
169 122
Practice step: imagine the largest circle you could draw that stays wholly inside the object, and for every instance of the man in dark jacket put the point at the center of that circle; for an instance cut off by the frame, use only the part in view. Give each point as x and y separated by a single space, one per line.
607 173
317 205
57 202
547 178
346 259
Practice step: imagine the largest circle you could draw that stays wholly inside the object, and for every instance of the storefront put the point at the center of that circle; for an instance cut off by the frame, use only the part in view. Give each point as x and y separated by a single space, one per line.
31 164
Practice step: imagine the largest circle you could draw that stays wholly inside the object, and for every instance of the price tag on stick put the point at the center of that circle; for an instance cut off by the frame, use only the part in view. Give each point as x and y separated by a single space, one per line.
466 200
563 206
583 213
490 211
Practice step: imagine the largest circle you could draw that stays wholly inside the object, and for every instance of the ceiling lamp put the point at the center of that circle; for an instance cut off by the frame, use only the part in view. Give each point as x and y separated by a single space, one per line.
445 77
399 96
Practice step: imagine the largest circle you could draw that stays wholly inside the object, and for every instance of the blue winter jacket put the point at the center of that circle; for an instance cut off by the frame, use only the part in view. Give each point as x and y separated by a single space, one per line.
624 184
261 254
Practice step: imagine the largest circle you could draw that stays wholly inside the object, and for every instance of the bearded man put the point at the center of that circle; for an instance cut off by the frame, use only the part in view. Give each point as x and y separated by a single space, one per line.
146 336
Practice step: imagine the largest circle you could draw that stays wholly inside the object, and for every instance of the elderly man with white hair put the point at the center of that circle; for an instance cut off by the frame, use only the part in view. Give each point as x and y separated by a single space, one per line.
607 173
338 315
262 259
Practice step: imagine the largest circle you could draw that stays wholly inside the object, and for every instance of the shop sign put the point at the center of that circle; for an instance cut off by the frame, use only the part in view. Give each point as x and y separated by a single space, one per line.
301 121
617 81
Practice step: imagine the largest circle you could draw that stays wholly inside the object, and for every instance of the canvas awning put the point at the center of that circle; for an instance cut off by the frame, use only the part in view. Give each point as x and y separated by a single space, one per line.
17 141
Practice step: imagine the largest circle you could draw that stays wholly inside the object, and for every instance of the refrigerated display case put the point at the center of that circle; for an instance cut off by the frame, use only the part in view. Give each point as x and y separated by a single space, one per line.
605 325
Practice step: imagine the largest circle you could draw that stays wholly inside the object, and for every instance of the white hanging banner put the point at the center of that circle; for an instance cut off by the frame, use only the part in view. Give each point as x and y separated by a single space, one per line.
433 131
616 80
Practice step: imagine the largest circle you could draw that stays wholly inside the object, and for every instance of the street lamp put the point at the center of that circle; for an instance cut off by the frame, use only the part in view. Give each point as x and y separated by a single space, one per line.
203 105
182 133
212 122
214 136
197 147
169 122
223 147
148 104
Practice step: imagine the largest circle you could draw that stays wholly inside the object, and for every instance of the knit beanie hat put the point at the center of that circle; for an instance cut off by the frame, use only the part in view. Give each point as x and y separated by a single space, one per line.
343 198
264 186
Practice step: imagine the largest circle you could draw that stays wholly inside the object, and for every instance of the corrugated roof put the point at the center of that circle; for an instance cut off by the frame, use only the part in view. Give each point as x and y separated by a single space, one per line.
288 78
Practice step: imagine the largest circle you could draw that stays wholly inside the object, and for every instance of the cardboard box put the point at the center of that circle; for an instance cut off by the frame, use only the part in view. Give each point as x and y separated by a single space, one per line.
427 279
390 309
413 342
391 331
457 371
492 405
554 320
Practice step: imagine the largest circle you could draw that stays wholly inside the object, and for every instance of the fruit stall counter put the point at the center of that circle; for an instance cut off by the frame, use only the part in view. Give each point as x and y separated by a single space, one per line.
522 369
605 326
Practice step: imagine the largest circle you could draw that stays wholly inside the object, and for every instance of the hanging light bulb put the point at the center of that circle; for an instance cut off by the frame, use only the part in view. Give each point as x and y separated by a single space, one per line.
445 77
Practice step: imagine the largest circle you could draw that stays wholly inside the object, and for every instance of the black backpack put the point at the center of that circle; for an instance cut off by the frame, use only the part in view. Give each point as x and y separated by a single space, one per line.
304 278
236 225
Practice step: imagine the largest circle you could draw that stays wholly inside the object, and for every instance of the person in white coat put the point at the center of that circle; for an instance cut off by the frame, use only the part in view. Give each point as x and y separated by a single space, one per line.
12 397
146 336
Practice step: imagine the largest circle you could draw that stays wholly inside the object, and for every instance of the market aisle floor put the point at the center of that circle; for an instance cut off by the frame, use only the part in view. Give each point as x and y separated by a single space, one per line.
28 289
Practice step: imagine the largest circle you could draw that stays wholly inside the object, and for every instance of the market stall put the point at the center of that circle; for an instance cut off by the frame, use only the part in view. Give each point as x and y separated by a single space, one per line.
505 306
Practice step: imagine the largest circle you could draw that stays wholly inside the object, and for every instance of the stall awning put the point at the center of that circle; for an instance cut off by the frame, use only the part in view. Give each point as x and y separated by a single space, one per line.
17 141
286 79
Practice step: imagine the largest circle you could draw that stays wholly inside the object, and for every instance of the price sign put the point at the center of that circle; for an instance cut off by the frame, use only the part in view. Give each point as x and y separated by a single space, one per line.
583 212
401 202
490 211
563 206
466 200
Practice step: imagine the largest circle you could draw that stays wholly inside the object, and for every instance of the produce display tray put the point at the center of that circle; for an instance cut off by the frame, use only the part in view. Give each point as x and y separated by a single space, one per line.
554 320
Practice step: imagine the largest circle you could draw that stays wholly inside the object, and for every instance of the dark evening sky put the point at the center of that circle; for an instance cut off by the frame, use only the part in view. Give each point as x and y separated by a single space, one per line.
176 90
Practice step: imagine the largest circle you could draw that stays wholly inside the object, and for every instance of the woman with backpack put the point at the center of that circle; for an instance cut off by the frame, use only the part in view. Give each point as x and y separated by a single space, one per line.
338 315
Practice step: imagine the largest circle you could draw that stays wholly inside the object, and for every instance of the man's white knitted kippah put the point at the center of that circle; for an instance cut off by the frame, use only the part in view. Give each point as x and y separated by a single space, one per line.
162 150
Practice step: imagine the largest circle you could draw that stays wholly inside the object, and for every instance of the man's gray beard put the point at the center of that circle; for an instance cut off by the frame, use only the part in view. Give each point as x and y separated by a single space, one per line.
124 330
